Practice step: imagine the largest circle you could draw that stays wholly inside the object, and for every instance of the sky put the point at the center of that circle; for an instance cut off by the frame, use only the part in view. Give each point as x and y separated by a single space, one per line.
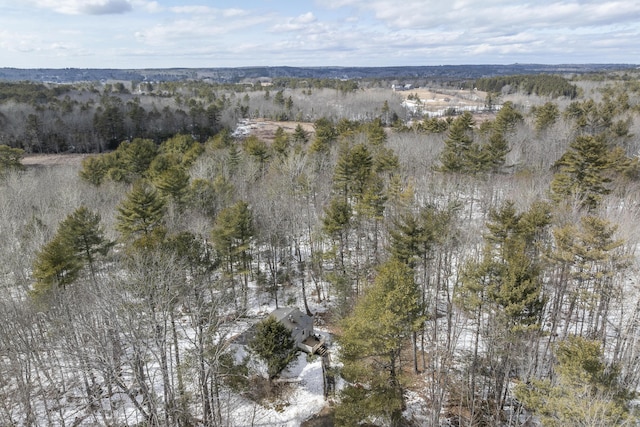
134 34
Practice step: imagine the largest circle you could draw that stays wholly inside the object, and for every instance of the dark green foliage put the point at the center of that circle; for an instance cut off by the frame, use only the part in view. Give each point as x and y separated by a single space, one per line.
413 236
376 135
30 93
539 84
257 149
78 241
141 213
109 121
584 172
278 98
585 392
56 266
459 152
142 158
299 135
83 233
281 142
273 344
509 273
173 183
433 125
10 159
326 135
222 140
507 119
545 116
353 171
371 343
128 163
231 235
337 217
95 169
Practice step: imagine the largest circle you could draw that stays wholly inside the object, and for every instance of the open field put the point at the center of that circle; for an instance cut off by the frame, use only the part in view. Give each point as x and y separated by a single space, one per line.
53 159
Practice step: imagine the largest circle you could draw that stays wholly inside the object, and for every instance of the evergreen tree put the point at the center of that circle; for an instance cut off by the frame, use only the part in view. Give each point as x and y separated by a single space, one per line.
585 392
353 172
173 183
589 255
299 135
371 342
376 135
135 157
232 233
583 172
336 223
546 116
281 142
56 265
273 344
326 135
95 169
140 214
10 159
77 242
507 118
83 233
503 291
459 142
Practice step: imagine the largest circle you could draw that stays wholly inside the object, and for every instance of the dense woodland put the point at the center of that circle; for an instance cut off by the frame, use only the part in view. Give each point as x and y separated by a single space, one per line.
474 269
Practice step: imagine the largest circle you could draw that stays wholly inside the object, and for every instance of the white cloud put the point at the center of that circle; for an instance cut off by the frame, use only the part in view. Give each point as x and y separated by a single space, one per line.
86 7
299 23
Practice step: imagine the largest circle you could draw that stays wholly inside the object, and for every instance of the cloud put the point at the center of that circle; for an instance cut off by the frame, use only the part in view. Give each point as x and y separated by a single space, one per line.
86 7
299 23
417 14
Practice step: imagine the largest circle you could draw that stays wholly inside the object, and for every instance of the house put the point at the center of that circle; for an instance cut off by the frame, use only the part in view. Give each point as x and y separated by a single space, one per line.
301 327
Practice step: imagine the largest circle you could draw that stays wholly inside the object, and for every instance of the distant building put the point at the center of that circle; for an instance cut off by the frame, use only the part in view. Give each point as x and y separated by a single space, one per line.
399 88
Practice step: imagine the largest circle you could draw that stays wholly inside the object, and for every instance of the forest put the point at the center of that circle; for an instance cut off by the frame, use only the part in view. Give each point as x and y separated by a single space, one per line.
474 269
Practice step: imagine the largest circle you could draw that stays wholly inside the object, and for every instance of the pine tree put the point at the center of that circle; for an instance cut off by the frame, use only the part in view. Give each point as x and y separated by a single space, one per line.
503 291
10 159
376 134
325 136
273 344
353 172
140 214
336 222
584 172
136 156
95 169
83 232
546 116
589 255
77 242
173 184
299 135
56 266
372 339
231 236
586 391
281 142
455 156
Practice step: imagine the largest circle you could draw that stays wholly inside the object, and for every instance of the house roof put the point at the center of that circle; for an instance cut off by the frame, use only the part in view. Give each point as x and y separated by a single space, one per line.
291 317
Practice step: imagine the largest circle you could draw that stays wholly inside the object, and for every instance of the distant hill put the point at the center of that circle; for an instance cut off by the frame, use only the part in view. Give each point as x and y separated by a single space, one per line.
234 75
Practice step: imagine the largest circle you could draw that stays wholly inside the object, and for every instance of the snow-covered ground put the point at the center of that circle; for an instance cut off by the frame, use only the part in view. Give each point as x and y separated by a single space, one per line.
303 399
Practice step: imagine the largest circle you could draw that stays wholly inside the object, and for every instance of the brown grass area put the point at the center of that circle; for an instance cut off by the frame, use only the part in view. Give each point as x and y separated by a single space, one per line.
52 159
266 129
438 99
